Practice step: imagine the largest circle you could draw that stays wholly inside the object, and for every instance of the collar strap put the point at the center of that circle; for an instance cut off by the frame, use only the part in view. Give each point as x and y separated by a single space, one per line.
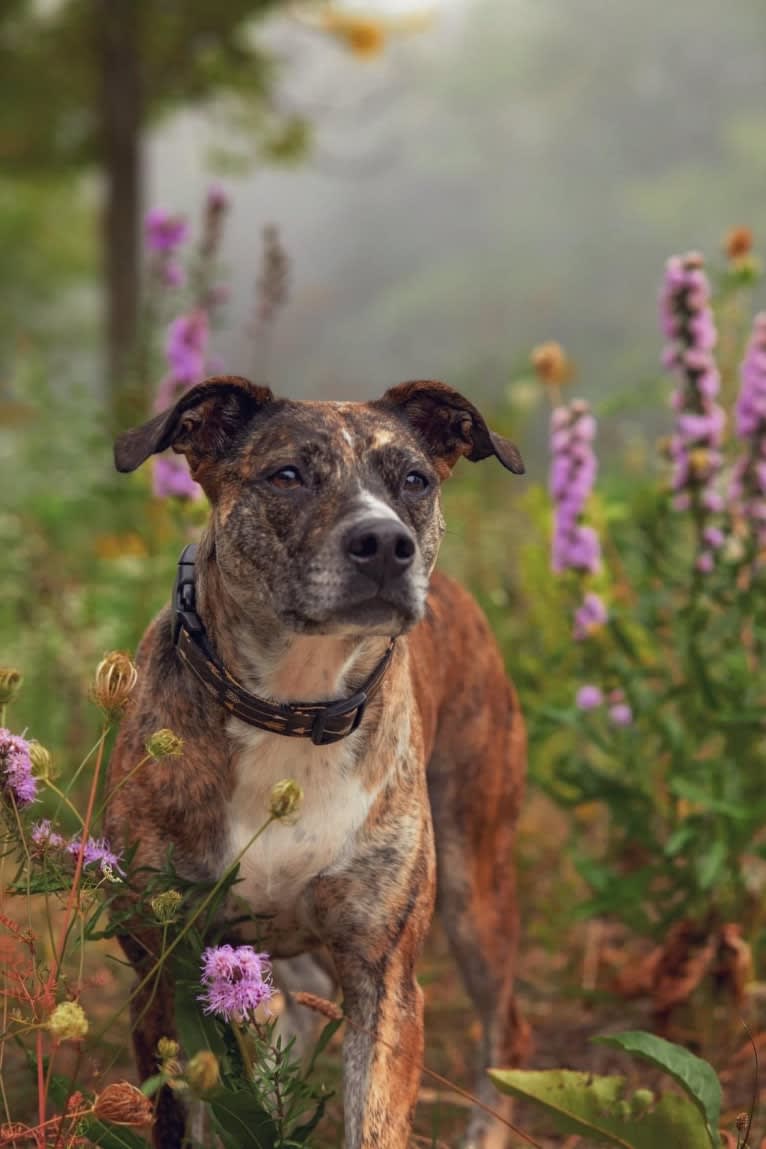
322 722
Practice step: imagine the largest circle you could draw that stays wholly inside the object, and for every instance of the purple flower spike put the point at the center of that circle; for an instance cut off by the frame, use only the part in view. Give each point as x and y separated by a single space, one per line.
235 981
747 490
589 697
171 477
589 617
573 473
164 232
186 346
686 319
16 777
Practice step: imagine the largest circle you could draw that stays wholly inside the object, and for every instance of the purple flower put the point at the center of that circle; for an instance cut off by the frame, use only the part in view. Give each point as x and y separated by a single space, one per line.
589 697
235 980
16 777
173 274
573 473
705 562
97 853
589 617
217 199
714 537
170 477
747 490
621 714
164 232
186 346
686 320
44 836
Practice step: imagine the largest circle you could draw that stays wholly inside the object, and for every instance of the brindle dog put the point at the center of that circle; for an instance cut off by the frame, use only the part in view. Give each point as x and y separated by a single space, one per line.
324 531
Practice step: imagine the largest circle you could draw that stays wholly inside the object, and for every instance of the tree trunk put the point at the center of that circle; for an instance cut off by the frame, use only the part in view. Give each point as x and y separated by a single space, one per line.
118 26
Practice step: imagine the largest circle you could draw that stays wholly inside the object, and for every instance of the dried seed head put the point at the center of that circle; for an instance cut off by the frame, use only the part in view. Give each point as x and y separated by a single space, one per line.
123 1104
114 681
319 1005
286 797
164 744
742 1122
738 243
15 1134
551 363
165 905
203 1072
10 684
68 1022
41 760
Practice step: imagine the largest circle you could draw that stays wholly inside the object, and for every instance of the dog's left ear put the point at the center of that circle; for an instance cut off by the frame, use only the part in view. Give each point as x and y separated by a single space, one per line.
449 424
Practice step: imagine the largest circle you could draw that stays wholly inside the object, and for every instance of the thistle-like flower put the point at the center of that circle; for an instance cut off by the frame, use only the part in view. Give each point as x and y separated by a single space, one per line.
164 744
286 797
115 678
68 1022
10 684
589 697
16 778
97 853
235 981
165 906
203 1072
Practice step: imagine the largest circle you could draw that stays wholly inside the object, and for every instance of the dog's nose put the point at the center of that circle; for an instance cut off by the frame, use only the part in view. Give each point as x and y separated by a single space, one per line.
380 548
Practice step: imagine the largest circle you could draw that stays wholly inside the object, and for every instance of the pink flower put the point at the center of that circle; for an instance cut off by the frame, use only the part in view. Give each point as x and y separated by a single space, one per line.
589 697
170 477
621 714
186 346
235 981
589 617
16 777
573 473
164 232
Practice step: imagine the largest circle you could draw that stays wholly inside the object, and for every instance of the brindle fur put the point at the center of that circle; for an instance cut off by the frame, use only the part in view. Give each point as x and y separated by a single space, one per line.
357 877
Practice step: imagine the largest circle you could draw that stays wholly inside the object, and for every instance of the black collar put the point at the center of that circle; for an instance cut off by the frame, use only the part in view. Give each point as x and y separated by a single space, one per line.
322 722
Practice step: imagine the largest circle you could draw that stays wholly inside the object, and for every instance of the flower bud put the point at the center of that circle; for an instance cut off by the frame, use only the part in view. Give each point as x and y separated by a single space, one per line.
41 760
164 744
551 363
68 1022
738 243
10 684
165 905
123 1104
286 797
167 1048
203 1072
114 681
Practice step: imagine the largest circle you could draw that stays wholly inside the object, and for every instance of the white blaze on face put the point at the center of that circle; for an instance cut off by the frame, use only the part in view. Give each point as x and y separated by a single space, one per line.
370 505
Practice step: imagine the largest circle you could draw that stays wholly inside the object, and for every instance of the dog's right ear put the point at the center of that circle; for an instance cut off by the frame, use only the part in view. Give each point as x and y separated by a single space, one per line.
200 425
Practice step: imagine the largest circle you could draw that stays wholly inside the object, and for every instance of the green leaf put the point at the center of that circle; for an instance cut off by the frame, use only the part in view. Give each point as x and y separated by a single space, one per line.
113 1136
242 1122
323 1040
694 1075
599 1108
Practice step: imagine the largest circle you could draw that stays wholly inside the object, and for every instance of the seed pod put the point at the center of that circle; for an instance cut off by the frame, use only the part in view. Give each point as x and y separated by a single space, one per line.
123 1104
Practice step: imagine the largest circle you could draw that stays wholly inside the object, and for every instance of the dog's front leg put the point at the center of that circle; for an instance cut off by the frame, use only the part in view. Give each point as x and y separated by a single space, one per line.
383 923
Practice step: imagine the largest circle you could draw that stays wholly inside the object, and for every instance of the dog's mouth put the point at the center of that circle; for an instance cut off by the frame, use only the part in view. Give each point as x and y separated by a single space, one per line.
381 612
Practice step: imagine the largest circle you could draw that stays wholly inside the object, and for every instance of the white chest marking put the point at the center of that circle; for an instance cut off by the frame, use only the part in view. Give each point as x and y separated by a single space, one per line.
276 868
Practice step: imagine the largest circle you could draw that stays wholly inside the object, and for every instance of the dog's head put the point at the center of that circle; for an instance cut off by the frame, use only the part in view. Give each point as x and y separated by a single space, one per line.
328 515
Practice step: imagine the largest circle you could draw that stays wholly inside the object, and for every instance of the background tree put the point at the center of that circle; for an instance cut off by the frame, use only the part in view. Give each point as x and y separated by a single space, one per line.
79 82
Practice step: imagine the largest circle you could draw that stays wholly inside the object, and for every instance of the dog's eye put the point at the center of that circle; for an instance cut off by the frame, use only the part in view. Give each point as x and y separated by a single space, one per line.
415 483
286 477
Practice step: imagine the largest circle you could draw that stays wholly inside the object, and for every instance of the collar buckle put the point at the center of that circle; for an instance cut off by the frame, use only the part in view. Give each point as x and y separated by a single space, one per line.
184 596
356 705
